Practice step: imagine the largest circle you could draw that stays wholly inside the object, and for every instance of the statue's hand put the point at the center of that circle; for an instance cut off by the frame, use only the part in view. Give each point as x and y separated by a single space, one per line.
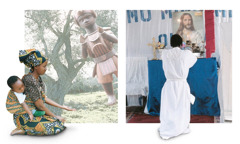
100 29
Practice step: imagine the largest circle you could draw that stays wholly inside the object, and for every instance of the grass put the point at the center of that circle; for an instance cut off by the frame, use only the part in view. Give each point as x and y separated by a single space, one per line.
90 108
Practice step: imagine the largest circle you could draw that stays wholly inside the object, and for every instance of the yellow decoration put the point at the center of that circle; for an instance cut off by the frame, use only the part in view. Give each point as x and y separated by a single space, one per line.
155 46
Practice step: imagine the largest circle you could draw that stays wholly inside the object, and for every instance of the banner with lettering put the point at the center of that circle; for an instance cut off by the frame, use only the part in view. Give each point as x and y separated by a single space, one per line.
143 25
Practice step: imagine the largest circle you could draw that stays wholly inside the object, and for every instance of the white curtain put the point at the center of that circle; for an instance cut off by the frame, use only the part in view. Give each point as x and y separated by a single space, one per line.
137 76
142 26
135 100
223 43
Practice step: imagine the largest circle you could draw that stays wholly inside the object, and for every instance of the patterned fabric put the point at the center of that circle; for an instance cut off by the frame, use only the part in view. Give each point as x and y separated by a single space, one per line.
94 45
102 79
107 67
43 125
13 106
33 87
99 50
31 57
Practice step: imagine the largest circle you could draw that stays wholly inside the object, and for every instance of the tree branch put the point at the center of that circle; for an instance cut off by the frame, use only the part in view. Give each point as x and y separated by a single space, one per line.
74 31
66 26
55 59
48 79
31 19
60 54
80 66
58 45
68 52
52 30
81 60
73 73
45 45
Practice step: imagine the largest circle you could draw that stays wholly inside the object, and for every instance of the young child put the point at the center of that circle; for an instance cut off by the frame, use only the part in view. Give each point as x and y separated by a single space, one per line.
17 86
98 44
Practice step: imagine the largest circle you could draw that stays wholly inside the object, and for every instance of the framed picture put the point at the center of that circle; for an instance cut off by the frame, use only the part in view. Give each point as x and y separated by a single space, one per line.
190 26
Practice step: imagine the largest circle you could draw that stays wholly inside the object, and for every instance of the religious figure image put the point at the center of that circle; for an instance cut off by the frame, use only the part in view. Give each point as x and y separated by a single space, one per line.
189 25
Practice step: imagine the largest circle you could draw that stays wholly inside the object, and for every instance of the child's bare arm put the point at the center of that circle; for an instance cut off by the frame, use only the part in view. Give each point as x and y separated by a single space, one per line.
26 108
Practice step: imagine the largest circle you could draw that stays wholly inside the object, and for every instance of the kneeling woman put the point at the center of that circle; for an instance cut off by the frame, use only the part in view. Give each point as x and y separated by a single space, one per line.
48 124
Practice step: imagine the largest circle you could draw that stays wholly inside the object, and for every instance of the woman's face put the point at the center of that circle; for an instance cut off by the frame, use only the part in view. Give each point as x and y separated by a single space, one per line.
42 68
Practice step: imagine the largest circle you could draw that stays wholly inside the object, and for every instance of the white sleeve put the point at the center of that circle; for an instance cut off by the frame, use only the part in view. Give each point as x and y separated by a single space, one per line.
191 58
163 54
21 97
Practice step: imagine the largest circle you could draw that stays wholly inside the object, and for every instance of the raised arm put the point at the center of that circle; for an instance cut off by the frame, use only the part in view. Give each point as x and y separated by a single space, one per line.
108 35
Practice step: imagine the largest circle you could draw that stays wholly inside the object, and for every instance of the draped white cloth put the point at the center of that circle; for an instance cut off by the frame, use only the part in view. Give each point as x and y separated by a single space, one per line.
176 96
134 100
137 76
223 42
139 33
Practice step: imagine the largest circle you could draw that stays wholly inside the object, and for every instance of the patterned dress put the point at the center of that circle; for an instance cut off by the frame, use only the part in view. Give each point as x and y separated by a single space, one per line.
43 125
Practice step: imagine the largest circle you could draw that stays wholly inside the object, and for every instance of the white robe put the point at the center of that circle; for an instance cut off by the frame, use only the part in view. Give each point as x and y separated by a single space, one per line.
175 96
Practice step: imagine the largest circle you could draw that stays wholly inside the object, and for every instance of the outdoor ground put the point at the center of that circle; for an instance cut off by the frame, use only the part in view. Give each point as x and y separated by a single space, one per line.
91 108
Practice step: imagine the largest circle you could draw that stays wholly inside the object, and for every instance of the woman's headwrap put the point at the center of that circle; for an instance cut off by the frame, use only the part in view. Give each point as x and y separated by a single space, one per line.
82 13
31 57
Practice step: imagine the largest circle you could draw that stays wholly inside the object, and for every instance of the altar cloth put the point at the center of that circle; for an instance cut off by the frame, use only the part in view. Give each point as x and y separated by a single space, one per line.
202 79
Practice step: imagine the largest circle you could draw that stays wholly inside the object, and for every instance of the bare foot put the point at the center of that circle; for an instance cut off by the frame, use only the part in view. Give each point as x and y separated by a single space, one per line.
17 131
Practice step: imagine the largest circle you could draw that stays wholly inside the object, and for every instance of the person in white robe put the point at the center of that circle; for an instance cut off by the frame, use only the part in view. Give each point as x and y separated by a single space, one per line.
175 95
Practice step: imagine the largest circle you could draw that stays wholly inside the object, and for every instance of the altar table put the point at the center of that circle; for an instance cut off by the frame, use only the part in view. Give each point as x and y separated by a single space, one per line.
202 79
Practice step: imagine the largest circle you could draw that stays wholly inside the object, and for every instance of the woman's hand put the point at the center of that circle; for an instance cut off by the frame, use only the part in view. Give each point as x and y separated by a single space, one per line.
52 103
68 108
60 118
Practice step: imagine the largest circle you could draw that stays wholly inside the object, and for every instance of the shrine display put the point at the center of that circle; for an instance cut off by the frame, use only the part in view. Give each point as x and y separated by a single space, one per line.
189 25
